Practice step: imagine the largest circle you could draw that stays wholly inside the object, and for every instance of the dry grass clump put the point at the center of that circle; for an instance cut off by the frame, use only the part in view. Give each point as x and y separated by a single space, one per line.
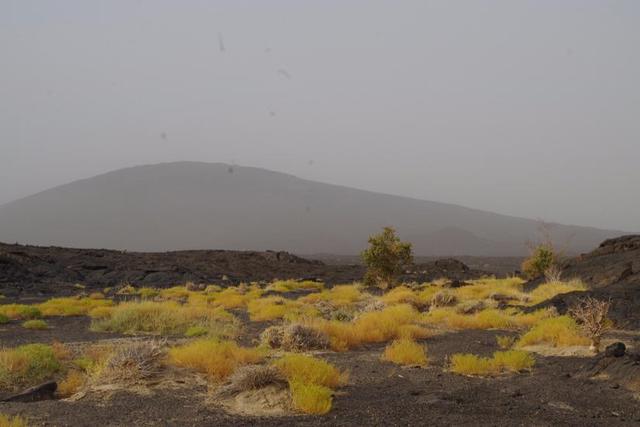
71 383
71 306
404 295
405 352
549 290
20 311
482 289
444 298
36 324
295 337
148 293
294 285
252 377
338 296
310 370
398 321
234 297
490 318
26 365
311 381
470 307
501 362
505 342
299 337
272 308
217 359
311 399
15 421
559 331
131 362
165 318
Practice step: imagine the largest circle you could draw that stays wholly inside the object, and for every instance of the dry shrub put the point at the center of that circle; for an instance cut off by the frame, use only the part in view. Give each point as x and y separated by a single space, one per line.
311 399
215 358
501 362
71 383
272 336
405 352
252 377
12 421
443 299
299 337
131 362
61 351
591 315
234 297
559 331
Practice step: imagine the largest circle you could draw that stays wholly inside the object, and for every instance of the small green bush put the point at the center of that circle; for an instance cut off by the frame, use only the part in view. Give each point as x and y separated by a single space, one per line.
35 324
26 365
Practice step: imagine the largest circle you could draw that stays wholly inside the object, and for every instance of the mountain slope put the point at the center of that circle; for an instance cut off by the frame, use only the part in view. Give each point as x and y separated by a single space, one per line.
191 205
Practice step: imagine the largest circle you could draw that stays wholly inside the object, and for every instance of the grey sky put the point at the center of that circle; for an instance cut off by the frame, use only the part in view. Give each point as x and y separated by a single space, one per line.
530 108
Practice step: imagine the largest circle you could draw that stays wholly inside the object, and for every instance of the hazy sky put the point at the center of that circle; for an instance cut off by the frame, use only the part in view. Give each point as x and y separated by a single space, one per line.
530 108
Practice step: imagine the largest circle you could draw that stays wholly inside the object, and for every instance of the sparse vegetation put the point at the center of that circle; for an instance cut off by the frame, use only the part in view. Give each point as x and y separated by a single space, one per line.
311 399
405 352
165 318
542 259
294 285
591 315
27 365
271 308
20 311
15 421
71 383
501 362
386 258
71 306
37 324
561 331
310 370
216 359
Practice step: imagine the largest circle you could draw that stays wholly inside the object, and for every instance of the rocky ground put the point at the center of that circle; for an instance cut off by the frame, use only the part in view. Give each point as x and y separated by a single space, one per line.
572 390
32 270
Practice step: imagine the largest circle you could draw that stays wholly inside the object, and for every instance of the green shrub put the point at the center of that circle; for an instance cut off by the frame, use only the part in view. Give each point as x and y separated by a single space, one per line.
386 258
35 324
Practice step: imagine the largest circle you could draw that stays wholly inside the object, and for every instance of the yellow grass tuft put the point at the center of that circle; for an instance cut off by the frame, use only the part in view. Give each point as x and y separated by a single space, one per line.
71 306
405 352
489 318
310 370
501 362
311 399
272 308
505 342
27 365
165 318
71 384
403 295
338 296
234 297
20 311
217 359
549 290
393 322
36 324
559 331
294 285
15 421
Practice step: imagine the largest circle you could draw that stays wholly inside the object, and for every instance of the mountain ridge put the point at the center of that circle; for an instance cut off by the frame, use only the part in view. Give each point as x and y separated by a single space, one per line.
197 205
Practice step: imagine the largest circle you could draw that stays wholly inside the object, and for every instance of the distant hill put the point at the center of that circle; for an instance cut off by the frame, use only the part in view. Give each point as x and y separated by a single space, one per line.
191 205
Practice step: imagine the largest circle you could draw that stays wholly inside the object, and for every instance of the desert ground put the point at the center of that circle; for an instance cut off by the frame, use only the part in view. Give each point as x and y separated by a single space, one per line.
218 338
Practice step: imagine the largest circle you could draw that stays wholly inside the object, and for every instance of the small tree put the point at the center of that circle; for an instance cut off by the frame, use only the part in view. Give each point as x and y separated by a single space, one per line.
386 258
542 262
591 315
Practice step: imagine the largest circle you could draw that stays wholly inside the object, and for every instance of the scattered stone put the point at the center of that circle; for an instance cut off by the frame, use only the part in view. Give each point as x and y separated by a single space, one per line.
617 349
